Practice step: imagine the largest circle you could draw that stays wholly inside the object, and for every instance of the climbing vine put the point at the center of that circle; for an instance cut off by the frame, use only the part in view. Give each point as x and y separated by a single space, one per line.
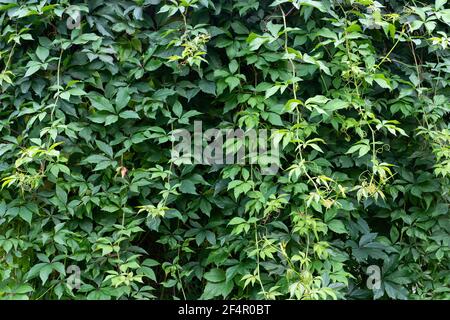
355 95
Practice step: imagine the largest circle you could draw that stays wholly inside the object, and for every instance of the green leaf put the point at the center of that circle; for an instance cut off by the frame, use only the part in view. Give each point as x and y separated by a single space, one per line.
441 209
215 275
153 65
26 214
208 87
217 289
100 103
85 38
187 186
239 28
315 4
61 194
31 70
233 66
34 271
111 119
362 148
236 220
129 114
439 4
382 81
44 272
177 109
96 158
122 98
232 82
275 119
77 92
255 41
42 53
271 91
58 266
337 226
274 29
394 234
335 104
104 147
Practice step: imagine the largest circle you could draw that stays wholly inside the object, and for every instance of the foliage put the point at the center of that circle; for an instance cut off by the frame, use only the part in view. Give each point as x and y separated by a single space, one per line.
357 90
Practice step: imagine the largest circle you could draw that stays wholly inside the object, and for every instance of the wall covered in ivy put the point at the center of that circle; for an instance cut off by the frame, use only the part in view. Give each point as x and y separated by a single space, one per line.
355 94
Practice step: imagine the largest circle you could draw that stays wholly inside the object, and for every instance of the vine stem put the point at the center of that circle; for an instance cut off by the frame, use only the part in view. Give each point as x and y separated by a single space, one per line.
181 282
392 49
10 56
58 84
257 261
50 288
294 87
374 154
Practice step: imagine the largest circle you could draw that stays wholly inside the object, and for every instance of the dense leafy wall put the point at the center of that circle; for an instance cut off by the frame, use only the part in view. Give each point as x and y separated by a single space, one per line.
358 91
